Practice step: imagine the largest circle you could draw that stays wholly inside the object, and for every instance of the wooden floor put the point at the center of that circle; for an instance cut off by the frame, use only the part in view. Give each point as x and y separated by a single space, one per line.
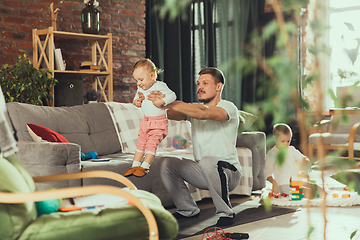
341 223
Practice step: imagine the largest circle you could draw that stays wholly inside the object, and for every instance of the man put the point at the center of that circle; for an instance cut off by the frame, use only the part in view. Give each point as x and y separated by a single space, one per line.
216 168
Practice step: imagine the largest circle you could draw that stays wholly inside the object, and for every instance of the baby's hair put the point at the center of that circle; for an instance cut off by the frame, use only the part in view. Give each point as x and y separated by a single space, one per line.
145 62
281 128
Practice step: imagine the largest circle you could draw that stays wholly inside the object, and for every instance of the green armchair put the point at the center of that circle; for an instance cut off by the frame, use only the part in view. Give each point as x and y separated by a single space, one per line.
142 218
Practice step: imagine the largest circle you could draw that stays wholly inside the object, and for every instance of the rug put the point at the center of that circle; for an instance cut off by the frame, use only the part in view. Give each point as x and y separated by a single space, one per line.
334 198
337 196
245 213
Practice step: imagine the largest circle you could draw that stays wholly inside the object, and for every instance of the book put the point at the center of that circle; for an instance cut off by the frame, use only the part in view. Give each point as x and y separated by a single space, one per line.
94 67
90 68
59 62
87 63
91 202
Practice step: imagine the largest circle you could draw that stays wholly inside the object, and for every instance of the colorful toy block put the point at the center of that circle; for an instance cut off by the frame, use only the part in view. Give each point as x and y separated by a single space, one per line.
179 142
336 195
296 189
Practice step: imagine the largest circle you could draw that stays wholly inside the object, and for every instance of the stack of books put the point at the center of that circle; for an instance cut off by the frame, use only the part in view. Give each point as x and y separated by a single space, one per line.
89 67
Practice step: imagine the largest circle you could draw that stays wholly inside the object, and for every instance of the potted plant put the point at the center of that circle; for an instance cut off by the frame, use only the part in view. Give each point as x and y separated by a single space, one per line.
91 96
26 84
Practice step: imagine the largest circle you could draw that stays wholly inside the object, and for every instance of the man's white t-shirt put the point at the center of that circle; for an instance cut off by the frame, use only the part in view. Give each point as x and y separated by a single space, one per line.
289 168
217 138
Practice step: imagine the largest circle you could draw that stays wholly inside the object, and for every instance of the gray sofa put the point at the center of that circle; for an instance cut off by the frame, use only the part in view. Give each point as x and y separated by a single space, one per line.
96 127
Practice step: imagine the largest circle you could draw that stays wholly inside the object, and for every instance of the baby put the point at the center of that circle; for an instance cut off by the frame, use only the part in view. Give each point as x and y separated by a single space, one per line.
154 125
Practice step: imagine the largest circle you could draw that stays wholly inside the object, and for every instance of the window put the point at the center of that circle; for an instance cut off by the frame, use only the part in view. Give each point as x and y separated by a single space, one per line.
198 35
344 40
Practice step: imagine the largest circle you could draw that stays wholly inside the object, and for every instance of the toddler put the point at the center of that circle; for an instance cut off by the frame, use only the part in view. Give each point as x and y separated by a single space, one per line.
154 125
294 161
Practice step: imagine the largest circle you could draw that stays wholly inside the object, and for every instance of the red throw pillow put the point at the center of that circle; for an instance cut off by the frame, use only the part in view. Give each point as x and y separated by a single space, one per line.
45 134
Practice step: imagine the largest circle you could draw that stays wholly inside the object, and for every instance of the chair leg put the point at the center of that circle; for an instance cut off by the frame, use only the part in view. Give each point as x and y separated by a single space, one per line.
310 150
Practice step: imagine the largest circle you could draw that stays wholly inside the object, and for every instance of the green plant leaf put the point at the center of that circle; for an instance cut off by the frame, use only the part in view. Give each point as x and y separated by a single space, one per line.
353 234
24 83
281 156
270 29
311 229
267 205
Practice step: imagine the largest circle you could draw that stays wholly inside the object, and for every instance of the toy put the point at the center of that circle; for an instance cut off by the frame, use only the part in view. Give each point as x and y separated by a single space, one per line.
335 195
296 189
179 142
297 186
270 195
47 206
218 233
90 155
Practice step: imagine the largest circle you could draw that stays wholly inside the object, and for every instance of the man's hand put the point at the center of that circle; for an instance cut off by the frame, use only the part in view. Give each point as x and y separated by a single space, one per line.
155 95
158 102
137 102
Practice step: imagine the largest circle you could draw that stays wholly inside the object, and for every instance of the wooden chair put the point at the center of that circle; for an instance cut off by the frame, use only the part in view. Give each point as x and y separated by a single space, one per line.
340 133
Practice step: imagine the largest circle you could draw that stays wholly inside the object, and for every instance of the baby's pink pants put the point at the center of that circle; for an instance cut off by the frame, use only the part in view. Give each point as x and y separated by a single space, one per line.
152 131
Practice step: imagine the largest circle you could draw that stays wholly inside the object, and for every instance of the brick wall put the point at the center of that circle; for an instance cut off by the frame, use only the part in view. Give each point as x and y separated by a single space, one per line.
124 19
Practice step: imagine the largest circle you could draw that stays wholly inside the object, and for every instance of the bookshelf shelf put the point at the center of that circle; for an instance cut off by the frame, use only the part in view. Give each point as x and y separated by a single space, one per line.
101 55
83 72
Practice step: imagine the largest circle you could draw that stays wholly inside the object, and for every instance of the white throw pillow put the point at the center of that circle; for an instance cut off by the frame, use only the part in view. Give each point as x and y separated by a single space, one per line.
127 119
35 137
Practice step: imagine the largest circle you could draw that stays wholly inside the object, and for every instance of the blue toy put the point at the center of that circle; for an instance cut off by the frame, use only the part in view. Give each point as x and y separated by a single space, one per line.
90 155
47 206
179 142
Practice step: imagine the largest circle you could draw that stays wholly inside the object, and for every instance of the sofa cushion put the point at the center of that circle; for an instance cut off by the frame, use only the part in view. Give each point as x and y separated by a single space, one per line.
40 133
177 128
14 178
342 124
127 119
87 125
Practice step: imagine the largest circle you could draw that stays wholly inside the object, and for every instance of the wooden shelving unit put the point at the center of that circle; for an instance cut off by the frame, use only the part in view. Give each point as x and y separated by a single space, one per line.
101 56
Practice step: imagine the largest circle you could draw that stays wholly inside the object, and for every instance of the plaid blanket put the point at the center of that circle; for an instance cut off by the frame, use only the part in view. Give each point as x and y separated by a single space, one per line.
7 140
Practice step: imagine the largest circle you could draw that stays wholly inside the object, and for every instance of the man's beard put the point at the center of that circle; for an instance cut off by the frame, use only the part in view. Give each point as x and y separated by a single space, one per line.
207 100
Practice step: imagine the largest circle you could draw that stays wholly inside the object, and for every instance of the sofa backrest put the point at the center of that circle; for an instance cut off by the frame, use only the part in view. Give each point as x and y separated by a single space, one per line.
89 125
127 119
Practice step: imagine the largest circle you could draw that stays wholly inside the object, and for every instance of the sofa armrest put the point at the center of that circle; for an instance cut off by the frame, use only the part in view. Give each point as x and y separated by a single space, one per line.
48 158
255 141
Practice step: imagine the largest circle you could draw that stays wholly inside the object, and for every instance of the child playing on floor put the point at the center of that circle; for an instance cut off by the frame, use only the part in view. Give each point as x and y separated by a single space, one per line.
293 162
154 125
